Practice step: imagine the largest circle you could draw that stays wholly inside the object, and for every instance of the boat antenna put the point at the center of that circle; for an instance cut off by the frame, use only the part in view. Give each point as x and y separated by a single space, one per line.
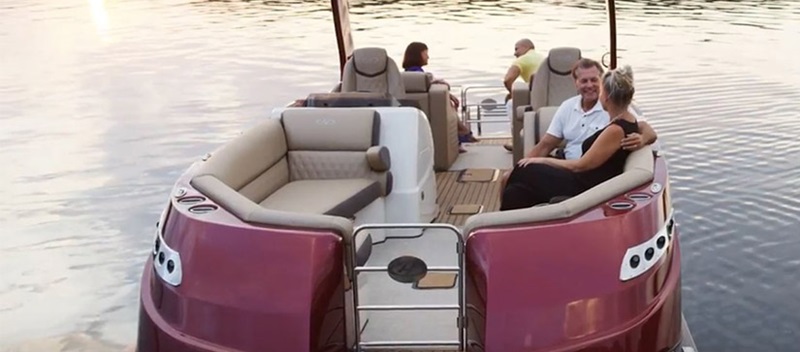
341 24
612 23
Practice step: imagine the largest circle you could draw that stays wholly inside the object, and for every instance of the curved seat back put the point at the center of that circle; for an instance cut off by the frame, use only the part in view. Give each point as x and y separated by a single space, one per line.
639 169
553 82
372 70
286 166
434 101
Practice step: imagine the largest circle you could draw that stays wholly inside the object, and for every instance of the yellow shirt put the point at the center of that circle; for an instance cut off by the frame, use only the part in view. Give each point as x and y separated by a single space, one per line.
528 64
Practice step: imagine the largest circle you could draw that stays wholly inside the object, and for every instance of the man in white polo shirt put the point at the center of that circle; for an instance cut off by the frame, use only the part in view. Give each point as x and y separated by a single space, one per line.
581 116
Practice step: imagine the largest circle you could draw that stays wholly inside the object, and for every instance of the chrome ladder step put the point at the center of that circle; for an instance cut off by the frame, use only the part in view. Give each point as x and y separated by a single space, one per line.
459 307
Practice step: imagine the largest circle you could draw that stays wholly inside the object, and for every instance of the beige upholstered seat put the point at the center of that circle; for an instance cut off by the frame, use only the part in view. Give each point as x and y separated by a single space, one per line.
372 70
639 169
434 101
312 161
536 124
552 84
311 169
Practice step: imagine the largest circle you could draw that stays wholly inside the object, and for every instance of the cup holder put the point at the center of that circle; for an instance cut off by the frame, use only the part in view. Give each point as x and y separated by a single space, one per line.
639 197
621 205
202 209
191 200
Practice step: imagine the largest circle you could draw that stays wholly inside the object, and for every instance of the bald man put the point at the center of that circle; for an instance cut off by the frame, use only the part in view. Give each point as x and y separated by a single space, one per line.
525 66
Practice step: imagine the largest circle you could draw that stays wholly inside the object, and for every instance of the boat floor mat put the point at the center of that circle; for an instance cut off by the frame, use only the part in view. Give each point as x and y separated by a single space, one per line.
466 209
434 280
477 175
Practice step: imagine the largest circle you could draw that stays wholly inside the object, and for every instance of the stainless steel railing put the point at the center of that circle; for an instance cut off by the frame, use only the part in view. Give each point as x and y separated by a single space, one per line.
459 307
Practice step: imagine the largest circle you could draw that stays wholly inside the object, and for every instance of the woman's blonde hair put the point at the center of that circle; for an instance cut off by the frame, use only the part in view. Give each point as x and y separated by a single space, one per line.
618 85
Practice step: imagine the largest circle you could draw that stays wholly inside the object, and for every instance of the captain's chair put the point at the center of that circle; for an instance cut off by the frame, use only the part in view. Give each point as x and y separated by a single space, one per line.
552 84
434 100
372 70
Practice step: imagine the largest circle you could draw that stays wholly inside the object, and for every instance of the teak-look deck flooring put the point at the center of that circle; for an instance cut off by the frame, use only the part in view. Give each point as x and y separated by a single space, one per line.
452 192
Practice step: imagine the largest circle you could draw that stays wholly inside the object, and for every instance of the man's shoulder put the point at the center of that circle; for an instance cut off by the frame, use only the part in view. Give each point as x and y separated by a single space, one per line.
564 111
531 56
537 55
570 102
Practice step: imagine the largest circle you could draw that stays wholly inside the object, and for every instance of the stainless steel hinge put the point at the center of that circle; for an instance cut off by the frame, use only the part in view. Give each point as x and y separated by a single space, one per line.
461 322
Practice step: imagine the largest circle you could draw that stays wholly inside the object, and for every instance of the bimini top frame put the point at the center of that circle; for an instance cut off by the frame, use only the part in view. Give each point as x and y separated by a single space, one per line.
344 37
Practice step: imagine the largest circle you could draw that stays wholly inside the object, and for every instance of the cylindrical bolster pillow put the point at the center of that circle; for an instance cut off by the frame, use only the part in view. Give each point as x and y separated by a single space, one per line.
378 158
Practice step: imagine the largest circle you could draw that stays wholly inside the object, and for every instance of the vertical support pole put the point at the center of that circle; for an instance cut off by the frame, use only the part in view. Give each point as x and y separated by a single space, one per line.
341 24
612 23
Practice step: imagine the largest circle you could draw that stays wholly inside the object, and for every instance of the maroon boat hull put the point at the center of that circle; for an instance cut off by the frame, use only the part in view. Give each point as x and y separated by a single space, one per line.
543 287
244 288
557 287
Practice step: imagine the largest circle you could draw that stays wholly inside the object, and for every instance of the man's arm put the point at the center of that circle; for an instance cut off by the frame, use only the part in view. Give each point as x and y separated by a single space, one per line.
440 81
648 133
602 149
511 76
545 146
635 141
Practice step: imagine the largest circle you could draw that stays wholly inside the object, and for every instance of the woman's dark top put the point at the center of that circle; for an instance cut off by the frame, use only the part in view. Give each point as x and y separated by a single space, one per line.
540 183
615 164
414 69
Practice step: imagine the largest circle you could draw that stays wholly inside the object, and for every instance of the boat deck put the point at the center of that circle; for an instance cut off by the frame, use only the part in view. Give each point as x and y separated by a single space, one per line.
472 185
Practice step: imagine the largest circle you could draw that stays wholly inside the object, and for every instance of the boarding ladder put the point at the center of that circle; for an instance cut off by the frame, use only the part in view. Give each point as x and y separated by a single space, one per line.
459 323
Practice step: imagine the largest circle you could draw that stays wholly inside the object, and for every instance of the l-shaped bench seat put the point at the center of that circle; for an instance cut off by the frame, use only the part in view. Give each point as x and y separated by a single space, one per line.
314 161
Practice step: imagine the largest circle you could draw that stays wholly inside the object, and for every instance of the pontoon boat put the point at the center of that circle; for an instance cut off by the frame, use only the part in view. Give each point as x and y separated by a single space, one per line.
349 221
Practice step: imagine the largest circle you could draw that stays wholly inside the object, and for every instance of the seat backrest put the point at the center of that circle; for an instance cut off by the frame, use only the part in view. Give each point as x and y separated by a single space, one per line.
434 101
253 164
417 85
339 143
553 82
372 70
243 172
638 170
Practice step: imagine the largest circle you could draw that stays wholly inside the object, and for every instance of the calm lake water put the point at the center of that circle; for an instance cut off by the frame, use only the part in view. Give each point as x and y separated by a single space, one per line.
103 103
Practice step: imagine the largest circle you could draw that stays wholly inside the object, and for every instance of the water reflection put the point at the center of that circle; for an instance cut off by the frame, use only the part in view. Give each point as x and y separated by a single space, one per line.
100 17
104 103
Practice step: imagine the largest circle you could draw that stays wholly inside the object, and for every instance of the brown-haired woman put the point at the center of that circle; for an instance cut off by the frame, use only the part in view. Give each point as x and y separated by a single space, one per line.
415 57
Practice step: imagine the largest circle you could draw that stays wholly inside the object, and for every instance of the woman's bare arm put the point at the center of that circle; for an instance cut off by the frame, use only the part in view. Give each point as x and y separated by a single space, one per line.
602 149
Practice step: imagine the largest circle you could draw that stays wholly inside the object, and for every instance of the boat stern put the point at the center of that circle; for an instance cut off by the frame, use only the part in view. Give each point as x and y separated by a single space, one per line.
215 283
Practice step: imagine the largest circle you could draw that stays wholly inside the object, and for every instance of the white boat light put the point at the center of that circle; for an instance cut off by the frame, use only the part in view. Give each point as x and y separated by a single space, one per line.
166 261
639 259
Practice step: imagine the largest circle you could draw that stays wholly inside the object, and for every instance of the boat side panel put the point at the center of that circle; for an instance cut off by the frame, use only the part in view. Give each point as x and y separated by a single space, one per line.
556 286
247 288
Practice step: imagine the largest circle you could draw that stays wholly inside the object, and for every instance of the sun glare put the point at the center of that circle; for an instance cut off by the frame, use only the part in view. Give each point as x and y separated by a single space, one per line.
100 19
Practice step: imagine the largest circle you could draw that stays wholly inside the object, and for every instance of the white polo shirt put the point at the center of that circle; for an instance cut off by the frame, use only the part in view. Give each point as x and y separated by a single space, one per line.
574 125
